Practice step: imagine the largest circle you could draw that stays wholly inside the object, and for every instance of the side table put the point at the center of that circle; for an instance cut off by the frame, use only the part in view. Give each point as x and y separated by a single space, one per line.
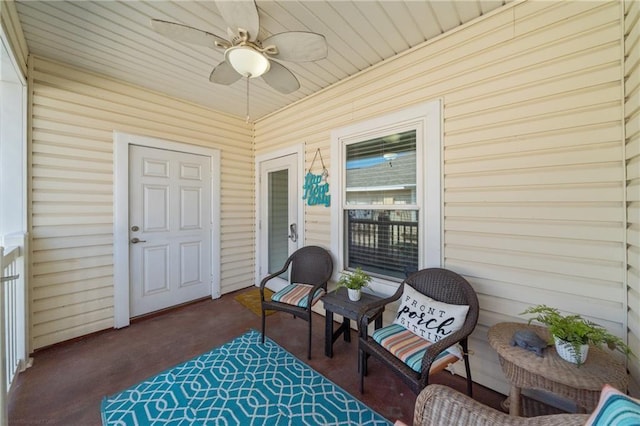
338 302
524 369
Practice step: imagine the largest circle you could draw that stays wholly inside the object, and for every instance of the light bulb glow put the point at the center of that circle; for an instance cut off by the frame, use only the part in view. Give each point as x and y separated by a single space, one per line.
246 61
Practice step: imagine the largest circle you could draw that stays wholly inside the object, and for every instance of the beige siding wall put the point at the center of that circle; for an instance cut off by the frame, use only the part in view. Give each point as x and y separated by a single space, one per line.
533 157
632 132
73 118
534 177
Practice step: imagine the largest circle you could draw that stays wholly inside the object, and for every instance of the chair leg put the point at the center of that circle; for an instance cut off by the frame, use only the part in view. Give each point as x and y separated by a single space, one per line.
361 369
309 339
465 356
263 317
365 358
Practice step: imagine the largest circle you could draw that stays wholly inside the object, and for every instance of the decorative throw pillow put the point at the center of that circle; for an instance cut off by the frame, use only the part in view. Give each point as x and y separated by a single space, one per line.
428 318
615 408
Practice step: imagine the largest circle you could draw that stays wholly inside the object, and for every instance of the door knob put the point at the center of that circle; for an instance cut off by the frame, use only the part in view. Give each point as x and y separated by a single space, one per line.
136 240
293 232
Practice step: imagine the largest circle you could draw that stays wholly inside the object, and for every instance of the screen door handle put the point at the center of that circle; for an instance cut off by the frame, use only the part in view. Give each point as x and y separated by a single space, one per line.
293 232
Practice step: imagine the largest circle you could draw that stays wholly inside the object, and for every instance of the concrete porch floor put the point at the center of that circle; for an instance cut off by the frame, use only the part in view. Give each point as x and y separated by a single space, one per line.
68 381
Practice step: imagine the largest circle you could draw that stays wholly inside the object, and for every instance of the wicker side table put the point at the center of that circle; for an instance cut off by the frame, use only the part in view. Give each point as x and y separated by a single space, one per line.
524 369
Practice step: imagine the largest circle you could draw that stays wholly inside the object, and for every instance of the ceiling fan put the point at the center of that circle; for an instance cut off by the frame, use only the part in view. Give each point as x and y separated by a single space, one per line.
244 54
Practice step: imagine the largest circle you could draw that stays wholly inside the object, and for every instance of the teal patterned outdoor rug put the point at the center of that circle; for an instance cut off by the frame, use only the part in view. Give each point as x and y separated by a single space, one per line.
242 382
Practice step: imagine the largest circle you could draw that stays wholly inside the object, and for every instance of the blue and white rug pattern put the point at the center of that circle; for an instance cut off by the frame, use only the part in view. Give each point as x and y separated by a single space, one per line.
242 382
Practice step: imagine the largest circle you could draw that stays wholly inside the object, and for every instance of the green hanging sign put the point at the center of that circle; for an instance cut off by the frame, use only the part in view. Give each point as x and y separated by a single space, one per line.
315 191
316 187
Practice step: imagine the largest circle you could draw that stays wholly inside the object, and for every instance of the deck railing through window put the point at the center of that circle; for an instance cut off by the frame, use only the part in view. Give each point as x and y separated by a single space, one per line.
383 246
12 316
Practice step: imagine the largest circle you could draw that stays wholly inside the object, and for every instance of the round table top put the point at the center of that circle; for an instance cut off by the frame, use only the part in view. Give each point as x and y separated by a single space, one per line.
599 368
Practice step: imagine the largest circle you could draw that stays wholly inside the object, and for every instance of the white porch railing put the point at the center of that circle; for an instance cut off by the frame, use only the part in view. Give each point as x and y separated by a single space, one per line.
13 311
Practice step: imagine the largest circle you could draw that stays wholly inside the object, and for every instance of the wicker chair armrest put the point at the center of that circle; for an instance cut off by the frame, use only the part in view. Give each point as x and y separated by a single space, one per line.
439 405
312 292
364 319
271 276
465 331
436 348
274 275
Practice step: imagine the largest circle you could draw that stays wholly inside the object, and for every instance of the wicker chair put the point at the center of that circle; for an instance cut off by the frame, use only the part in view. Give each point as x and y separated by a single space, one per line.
439 405
311 268
441 285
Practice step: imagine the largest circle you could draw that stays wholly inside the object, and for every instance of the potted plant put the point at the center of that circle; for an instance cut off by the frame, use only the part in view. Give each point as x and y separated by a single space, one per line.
573 334
354 282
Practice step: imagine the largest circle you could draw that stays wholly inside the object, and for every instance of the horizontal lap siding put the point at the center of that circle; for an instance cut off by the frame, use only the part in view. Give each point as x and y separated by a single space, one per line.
73 118
632 133
532 161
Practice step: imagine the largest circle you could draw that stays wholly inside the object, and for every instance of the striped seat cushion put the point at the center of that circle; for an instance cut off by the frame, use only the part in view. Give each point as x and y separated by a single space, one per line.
297 295
410 348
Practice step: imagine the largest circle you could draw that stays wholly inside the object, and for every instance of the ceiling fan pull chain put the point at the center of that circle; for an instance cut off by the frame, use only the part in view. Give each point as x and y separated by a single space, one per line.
247 99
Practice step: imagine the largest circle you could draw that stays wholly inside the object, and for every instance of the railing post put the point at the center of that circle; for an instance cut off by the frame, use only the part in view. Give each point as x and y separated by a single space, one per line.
4 419
14 355
383 232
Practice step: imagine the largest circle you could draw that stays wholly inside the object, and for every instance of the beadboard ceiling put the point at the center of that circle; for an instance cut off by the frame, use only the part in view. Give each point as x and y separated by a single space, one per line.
114 38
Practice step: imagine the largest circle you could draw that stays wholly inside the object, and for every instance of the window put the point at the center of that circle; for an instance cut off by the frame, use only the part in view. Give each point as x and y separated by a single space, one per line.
386 216
381 211
13 211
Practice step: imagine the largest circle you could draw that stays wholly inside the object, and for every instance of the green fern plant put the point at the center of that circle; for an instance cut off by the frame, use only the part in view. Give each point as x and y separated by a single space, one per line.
576 330
355 280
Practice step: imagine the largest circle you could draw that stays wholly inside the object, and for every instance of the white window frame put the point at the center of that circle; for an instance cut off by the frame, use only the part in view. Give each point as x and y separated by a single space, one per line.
426 118
13 145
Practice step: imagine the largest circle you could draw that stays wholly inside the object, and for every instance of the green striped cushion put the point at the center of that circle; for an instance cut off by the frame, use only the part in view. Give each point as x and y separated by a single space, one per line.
297 295
409 347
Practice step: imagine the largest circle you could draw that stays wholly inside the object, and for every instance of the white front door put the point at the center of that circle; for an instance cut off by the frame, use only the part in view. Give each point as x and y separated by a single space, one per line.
169 228
279 228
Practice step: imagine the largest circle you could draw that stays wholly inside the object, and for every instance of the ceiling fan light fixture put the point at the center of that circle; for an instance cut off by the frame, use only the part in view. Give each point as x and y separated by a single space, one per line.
247 61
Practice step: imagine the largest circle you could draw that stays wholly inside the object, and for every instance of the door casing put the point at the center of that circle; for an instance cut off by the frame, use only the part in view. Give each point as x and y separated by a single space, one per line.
122 141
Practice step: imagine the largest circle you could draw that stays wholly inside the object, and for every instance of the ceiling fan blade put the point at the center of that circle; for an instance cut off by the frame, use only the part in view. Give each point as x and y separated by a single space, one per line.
224 74
187 34
281 79
298 46
240 14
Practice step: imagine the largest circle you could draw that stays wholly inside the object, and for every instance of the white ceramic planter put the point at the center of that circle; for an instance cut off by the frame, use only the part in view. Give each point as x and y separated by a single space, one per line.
567 352
354 295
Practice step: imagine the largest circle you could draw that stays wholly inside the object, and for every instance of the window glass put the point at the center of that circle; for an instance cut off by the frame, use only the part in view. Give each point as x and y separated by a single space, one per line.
381 174
382 171
382 242
278 218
